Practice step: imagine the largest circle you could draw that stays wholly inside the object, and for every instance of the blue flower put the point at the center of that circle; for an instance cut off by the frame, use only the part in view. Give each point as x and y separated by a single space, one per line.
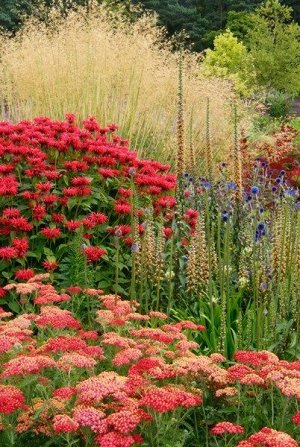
255 190
290 193
206 185
230 186
225 216
260 231
134 248
261 226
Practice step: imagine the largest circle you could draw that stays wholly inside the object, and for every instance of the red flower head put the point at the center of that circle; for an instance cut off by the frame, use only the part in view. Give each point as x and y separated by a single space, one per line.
11 399
94 253
24 274
51 233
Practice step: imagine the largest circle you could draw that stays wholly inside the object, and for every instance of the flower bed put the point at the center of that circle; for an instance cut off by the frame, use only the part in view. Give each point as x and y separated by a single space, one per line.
132 378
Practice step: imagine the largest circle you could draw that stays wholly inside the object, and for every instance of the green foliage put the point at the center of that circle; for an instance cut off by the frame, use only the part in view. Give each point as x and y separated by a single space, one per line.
240 23
230 59
13 13
278 105
275 48
75 268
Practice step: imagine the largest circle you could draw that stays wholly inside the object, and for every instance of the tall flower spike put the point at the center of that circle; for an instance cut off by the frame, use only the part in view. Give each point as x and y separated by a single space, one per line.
149 248
191 161
202 264
159 258
191 267
180 156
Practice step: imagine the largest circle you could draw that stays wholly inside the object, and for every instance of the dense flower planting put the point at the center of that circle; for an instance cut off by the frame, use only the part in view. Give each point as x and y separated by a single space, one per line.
57 179
76 202
111 385
209 270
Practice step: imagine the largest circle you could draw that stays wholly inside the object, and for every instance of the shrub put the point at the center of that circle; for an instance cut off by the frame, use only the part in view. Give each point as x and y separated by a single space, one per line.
278 105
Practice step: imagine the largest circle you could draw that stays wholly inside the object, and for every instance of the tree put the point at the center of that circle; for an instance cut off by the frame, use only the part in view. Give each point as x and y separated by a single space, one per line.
231 60
274 43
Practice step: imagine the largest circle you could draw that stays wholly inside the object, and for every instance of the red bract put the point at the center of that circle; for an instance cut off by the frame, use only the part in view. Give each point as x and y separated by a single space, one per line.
94 253
51 233
24 274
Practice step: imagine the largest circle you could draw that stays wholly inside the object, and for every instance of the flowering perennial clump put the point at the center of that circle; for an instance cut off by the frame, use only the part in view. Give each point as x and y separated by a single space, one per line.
117 382
54 176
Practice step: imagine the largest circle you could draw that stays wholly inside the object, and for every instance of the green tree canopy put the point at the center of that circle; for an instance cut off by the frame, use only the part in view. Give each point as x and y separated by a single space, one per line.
274 43
230 59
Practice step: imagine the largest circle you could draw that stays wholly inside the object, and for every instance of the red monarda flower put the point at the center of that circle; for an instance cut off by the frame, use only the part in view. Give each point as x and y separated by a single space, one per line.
24 274
72 225
94 253
122 207
7 253
51 233
57 217
50 266
21 245
38 212
125 192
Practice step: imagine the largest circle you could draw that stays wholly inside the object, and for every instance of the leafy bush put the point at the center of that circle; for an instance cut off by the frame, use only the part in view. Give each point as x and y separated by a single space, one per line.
278 105
231 60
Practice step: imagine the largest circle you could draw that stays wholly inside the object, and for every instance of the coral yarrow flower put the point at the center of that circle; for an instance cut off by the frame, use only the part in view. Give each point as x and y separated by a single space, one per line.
226 427
268 437
11 399
296 418
62 423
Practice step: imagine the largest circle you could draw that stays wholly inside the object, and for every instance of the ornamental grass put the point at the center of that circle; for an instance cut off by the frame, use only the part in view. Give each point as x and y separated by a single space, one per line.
104 65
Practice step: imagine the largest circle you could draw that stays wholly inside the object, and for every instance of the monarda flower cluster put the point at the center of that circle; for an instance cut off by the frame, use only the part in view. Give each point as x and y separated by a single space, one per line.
64 167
